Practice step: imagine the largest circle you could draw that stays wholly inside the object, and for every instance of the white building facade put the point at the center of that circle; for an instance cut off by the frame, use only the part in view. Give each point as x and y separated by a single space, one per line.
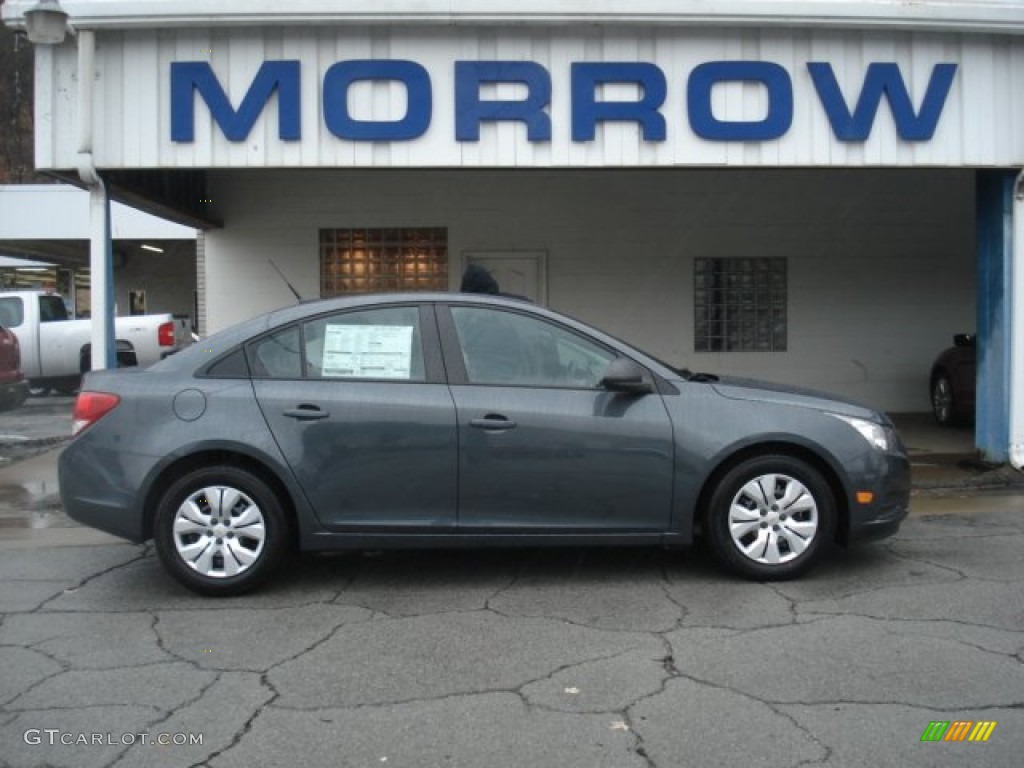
787 190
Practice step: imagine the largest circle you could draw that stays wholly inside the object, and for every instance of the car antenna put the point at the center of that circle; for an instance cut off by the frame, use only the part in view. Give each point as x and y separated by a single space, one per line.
291 287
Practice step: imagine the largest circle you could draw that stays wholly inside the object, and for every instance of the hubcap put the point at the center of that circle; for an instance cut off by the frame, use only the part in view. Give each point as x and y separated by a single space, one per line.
219 531
942 399
773 519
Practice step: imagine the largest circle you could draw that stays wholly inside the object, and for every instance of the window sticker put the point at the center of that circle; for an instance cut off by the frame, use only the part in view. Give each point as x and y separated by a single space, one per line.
368 351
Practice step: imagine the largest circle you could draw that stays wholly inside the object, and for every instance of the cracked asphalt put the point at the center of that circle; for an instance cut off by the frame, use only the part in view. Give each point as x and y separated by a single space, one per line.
587 658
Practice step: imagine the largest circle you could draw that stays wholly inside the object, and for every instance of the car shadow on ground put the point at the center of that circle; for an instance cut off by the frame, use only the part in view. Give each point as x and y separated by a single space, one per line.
408 582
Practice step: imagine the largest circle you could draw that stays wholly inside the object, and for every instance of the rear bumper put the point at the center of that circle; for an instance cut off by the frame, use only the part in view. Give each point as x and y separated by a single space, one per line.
90 495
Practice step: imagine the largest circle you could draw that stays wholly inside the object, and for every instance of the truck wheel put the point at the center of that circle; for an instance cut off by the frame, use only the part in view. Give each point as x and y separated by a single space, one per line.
220 530
770 518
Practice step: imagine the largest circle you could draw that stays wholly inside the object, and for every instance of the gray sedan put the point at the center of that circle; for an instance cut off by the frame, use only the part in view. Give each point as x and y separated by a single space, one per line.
451 420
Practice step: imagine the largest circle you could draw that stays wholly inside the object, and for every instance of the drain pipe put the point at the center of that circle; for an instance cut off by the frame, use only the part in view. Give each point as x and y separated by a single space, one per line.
1016 299
100 250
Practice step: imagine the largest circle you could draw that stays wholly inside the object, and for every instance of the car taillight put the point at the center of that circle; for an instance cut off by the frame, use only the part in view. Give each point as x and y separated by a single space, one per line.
165 334
90 407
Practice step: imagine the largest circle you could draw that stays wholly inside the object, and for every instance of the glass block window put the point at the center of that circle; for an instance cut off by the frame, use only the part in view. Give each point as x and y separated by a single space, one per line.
383 260
739 305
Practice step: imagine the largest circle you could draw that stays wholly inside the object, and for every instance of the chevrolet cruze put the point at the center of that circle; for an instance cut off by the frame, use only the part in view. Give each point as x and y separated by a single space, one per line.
457 420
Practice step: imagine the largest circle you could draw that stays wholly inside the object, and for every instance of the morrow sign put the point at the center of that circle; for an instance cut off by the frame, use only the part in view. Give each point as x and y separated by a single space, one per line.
851 119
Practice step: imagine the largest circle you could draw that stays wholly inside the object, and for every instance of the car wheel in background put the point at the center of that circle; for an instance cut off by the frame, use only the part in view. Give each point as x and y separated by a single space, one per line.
220 530
11 400
943 401
770 517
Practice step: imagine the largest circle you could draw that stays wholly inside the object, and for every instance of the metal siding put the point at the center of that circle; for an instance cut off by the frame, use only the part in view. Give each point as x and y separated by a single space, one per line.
995 16
982 123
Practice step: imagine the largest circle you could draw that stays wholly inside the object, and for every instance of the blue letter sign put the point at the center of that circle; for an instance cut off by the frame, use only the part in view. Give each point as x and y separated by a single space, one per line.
587 111
882 79
780 100
470 111
190 76
419 106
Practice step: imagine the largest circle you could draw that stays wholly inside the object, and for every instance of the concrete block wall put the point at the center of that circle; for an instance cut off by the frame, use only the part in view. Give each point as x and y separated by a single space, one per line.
880 262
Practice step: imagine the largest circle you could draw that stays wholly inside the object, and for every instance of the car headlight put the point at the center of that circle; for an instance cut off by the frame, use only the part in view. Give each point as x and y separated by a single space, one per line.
879 436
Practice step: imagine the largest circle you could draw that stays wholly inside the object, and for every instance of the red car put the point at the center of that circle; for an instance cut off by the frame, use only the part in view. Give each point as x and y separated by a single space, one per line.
13 387
953 382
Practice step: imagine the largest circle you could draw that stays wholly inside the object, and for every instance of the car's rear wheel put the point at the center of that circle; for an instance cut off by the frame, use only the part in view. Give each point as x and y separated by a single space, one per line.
944 406
770 517
220 530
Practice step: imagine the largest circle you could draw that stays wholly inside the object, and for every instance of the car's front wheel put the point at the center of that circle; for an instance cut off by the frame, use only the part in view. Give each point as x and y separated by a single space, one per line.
770 517
220 530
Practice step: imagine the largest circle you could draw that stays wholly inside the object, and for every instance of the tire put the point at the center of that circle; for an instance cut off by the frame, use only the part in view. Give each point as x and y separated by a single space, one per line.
771 517
944 405
235 554
14 399
69 389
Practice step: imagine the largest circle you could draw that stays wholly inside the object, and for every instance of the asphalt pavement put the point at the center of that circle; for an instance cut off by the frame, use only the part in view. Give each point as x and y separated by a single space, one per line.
562 657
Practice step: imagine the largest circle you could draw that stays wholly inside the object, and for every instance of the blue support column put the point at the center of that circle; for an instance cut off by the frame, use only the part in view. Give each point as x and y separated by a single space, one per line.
995 258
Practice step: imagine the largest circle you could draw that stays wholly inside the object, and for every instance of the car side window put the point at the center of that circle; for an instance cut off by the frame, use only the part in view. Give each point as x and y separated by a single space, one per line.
508 348
12 311
52 309
366 344
276 356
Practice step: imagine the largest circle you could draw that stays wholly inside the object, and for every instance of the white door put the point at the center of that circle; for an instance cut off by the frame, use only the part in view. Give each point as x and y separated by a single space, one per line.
523 273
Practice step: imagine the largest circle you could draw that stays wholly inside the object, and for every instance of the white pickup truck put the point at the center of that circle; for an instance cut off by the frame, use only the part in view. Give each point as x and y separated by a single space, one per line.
55 350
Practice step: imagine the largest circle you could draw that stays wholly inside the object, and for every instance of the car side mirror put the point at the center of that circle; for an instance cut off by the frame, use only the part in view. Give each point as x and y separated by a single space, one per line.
623 375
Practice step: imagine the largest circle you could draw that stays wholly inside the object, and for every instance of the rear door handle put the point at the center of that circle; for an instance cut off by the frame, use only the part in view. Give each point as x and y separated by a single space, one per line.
306 412
492 422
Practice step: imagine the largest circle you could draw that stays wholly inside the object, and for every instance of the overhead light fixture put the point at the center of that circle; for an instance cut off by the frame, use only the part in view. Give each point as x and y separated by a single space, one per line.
152 248
46 23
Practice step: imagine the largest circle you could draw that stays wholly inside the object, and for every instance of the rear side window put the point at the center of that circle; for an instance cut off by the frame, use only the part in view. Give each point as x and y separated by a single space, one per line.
12 312
231 367
276 356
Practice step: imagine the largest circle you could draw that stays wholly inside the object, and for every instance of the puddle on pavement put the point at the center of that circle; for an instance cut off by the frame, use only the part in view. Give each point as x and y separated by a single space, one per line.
32 505
948 502
35 520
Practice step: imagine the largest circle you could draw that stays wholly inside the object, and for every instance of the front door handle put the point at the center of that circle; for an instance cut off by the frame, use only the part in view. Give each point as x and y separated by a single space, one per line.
307 412
493 422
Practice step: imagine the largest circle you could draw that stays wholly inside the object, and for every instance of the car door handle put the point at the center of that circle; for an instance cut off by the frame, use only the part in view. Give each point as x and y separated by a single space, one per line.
307 413
493 423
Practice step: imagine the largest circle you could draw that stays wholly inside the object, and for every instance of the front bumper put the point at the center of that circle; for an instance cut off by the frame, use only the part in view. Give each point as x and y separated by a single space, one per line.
890 486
